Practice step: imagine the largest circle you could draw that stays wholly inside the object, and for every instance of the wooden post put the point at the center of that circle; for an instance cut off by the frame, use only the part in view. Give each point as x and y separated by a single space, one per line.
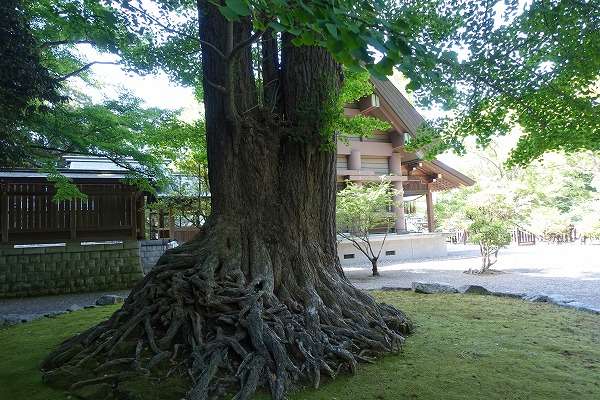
430 217
4 211
141 215
133 215
73 218
171 225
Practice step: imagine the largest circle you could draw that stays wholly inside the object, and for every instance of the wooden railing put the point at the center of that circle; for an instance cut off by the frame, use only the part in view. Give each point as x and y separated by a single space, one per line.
184 234
29 215
519 236
523 237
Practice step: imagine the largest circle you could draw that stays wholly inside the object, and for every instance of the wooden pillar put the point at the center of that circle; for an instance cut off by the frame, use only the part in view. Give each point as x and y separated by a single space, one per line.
133 215
171 225
73 218
430 217
354 160
4 211
395 167
141 215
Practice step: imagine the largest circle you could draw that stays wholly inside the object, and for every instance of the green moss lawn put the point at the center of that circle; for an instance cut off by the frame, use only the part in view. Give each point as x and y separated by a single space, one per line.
465 347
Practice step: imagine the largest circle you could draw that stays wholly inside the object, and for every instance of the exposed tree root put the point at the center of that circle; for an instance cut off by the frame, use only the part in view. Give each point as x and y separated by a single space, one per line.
198 318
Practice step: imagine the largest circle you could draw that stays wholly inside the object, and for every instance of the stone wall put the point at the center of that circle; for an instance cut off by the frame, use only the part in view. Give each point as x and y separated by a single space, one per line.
150 252
70 268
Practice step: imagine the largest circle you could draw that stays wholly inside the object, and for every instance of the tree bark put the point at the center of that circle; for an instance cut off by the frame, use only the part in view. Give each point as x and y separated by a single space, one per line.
374 267
258 298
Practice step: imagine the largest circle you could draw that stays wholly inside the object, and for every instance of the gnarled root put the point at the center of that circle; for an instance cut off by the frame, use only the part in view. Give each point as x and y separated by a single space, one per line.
189 319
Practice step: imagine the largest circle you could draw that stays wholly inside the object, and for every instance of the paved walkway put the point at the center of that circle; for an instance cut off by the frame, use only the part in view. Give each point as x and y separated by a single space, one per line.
571 270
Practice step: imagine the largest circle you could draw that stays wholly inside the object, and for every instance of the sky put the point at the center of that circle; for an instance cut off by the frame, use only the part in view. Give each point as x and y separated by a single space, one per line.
155 90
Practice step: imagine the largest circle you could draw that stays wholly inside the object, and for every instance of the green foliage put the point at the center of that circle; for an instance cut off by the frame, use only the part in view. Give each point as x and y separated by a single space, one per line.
65 189
49 32
536 65
356 85
490 226
25 85
539 72
360 208
552 196
487 229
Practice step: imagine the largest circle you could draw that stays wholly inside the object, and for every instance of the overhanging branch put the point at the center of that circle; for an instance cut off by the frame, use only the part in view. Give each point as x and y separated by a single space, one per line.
85 67
62 42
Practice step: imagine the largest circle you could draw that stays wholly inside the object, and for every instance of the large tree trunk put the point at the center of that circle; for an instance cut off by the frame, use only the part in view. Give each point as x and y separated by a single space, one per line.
258 299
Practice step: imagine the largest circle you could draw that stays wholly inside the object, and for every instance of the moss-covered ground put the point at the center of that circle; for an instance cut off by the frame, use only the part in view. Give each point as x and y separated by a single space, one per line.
464 347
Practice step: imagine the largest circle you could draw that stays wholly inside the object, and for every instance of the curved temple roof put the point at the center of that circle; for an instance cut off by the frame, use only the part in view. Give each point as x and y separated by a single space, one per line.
389 104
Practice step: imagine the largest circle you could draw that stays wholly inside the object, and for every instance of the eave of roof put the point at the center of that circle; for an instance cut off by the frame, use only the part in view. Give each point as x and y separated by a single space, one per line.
401 106
412 120
79 174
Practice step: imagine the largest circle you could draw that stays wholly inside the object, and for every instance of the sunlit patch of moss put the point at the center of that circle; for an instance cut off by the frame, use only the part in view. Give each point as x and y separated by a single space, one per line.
464 347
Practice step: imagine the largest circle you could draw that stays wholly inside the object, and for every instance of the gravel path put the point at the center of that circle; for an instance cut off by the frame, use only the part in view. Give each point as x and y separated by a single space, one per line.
34 307
570 270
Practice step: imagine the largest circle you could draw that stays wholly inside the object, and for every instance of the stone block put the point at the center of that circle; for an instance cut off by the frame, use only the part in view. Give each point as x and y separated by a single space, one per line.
474 289
55 249
93 247
34 250
113 246
109 299
430 288
13 260
10 251
131 244
74 248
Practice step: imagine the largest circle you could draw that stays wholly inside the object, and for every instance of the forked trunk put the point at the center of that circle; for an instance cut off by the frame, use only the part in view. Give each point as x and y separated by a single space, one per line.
258 299
374 267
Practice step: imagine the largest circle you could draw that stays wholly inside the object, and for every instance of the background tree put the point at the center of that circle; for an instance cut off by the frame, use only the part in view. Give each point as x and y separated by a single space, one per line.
359 210
490 225
538 69
25 85
555 197
187 193
44 116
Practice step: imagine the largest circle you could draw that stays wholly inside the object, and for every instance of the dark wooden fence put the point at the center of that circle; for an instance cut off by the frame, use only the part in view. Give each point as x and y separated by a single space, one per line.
29 215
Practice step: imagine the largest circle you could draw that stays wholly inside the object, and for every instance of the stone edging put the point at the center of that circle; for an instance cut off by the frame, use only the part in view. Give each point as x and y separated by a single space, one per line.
437 287
14 319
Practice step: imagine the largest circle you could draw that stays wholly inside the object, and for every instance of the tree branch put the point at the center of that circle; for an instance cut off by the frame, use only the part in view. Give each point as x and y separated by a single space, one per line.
216 86
85 67
355 243
61 42
253 38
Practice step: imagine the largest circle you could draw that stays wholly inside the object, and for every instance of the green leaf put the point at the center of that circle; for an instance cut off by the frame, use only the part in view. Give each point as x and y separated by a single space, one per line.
331 28
239 7
276 26
228 13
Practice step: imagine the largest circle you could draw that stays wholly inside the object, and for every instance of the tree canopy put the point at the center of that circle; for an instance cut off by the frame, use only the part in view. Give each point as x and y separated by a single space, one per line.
491 65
